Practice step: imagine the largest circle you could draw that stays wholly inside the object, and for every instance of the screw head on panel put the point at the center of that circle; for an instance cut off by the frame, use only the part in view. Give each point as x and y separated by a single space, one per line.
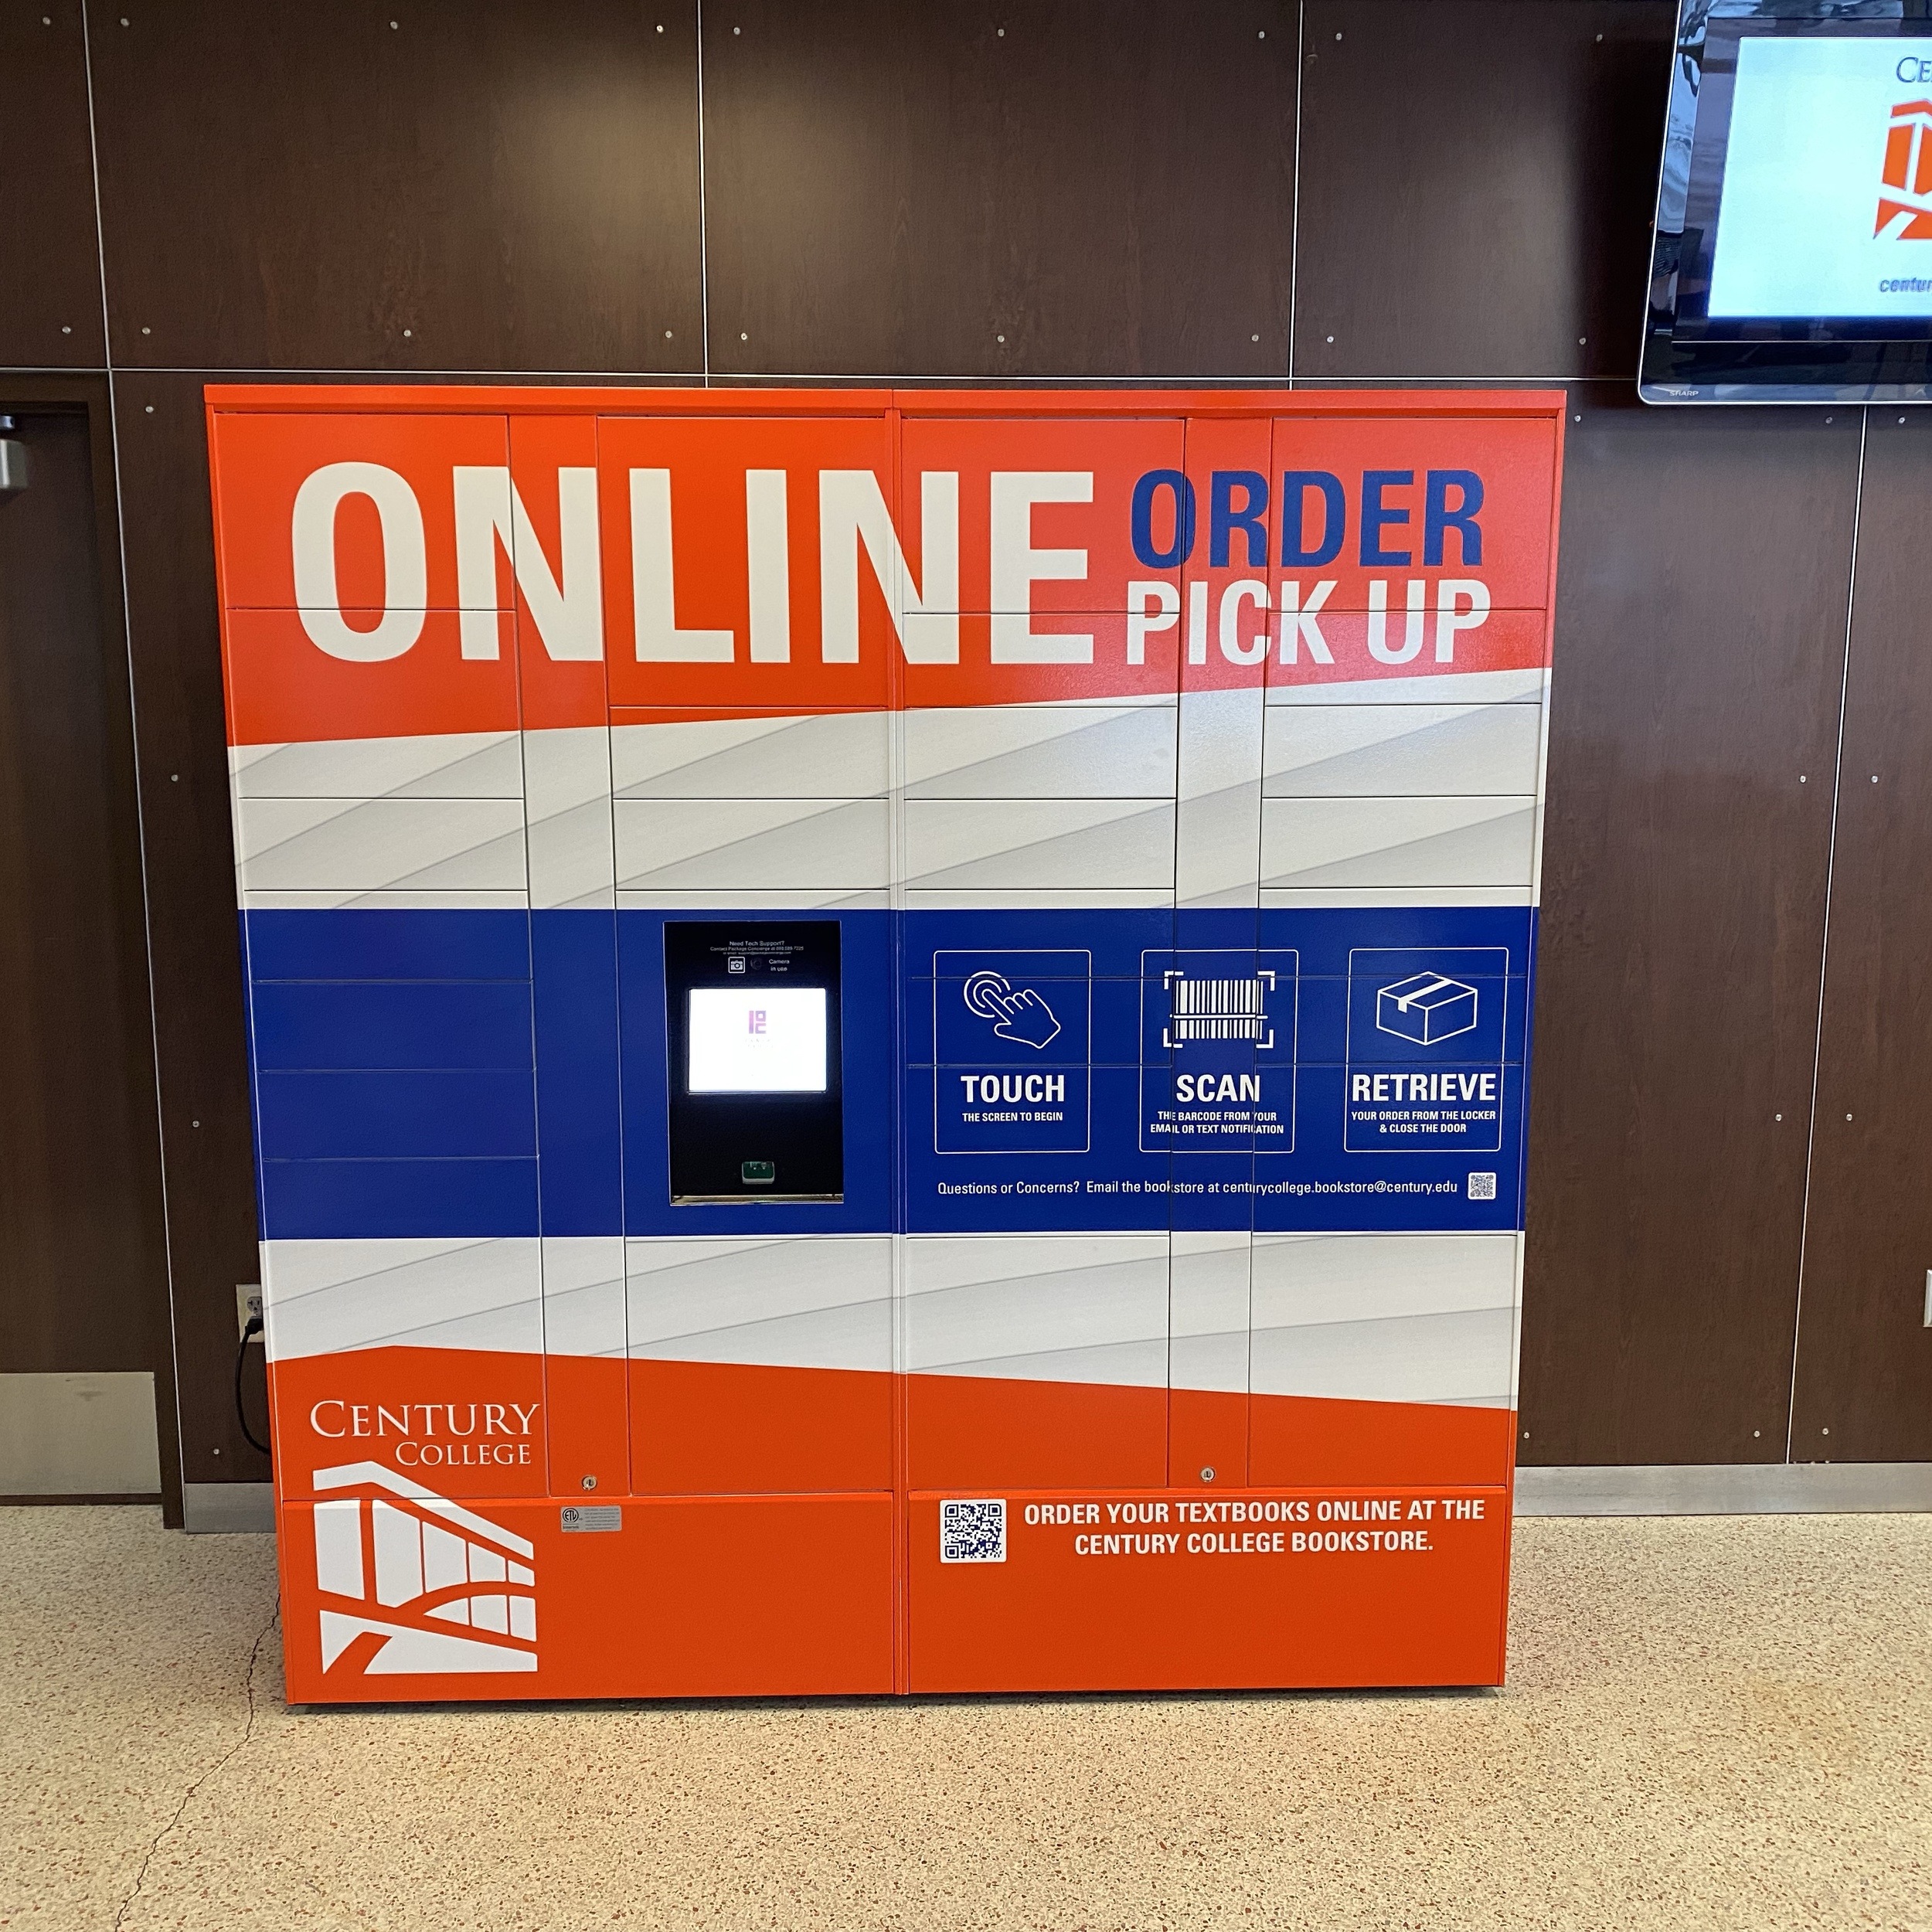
1901 419
589 1482
1331 338
743 337
65 329
1778 1117
1824 1432
1254 339
148 409
1207 1475
1581 340
1263 35
999 339
1848 1116
1756 1433
407 333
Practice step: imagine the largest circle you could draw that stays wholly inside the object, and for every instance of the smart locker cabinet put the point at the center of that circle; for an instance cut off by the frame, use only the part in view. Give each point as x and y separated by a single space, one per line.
888 1031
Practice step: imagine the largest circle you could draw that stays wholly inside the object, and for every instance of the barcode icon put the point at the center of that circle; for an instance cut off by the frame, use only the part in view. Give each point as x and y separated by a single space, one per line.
1212 1009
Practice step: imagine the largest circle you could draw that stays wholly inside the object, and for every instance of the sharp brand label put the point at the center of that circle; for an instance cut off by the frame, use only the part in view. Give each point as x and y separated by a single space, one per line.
383 572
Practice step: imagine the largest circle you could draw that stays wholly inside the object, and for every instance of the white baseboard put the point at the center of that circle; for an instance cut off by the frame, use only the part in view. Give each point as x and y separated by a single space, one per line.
1726 1489
85 1434
227 1508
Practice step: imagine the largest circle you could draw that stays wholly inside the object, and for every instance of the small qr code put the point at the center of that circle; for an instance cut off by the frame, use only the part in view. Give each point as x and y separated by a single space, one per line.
972 1533
1482 1187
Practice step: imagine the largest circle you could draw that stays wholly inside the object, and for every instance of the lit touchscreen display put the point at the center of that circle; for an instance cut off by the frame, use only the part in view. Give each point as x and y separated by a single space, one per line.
756 1039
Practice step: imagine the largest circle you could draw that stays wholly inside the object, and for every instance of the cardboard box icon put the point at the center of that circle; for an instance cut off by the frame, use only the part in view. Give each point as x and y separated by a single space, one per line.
1426 1008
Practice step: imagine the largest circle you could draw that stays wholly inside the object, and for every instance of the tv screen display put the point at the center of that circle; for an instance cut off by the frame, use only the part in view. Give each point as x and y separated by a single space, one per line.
1792 260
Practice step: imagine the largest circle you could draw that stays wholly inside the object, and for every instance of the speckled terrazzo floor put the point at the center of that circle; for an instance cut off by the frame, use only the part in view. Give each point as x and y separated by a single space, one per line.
1709 1724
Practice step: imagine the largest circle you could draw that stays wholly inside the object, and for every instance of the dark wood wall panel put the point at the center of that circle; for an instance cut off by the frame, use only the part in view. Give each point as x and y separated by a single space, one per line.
49 249
1057 187
1477 178
81 1232
1700 629
1865 1353
194 953
400 184
83 1262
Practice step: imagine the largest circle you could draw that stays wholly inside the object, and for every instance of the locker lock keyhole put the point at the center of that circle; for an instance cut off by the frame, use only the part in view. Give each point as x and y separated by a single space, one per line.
1207 1475
589 1482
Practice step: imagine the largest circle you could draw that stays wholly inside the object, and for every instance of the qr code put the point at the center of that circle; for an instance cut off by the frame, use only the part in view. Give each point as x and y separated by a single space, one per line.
972 1533
1482 1187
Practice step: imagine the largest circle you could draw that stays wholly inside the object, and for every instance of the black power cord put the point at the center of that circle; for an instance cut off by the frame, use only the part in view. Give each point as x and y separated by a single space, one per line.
253 1329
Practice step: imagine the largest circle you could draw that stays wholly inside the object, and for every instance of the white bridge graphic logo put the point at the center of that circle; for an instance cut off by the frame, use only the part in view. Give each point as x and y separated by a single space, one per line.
442 1590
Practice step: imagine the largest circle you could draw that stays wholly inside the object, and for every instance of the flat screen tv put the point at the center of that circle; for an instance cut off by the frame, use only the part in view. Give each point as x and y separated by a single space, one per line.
1792 259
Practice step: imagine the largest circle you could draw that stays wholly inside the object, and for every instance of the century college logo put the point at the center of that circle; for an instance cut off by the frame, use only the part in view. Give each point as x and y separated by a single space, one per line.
1905 199
413 1583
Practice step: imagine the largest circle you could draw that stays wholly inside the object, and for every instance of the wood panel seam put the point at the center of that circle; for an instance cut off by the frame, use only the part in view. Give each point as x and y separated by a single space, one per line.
1824 941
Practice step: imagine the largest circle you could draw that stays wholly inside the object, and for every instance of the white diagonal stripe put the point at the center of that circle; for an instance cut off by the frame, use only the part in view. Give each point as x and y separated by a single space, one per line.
830 755
458 764
1039 844
810 1302
1421 843
1385 1318
451 844
1040 751
751 845
326 1297
1402 750
1087 1307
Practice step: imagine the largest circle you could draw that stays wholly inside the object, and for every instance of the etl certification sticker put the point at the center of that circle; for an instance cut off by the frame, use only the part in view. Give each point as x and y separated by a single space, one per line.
1012 1037
1424 1071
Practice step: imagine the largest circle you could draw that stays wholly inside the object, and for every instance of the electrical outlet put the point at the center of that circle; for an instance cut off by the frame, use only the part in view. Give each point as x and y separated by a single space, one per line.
248 1305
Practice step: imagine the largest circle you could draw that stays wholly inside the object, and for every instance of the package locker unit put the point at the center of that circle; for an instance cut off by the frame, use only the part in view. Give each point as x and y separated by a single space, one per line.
889 1029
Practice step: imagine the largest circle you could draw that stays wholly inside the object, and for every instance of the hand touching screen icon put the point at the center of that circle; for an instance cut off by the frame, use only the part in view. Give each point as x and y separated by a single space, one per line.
1022 1017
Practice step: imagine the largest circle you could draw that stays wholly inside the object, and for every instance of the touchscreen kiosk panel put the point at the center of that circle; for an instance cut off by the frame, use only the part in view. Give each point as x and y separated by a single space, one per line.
752 1027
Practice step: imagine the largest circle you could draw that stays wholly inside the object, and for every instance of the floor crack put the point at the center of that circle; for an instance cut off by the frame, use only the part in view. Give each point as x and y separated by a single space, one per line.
248 1731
